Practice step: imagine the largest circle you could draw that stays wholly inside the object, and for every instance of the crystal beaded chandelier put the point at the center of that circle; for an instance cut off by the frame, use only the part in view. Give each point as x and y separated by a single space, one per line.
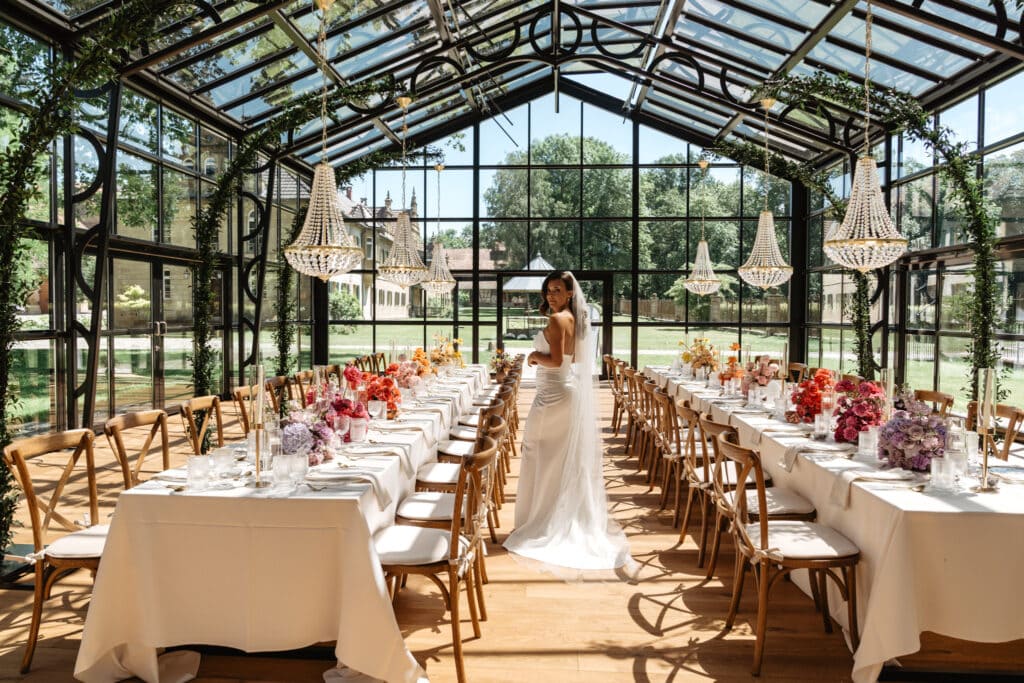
323 248
702 279
867 238
439 280
766 268
403 266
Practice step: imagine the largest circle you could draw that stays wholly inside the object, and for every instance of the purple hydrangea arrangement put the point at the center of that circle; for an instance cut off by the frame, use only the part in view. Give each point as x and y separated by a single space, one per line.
296 438
912 437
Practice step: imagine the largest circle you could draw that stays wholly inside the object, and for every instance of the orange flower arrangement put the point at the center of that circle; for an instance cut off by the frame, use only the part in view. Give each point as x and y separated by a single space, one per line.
732 368
420 356
382 389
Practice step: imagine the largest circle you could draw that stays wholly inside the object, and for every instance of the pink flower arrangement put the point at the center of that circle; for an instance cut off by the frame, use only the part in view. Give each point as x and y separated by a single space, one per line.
353 376
405 374
344 407
857 408
912 437
760 372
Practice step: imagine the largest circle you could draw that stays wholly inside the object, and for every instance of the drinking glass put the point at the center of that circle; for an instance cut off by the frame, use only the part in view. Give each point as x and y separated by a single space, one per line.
376 408
943 476
223 460
357 429
342 423
867 441
199 468
822 423
298 466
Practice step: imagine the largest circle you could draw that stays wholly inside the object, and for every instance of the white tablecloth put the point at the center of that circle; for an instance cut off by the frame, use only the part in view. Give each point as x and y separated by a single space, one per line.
948 563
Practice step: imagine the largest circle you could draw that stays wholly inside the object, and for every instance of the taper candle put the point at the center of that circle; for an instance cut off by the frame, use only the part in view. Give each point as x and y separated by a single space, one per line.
988 399
261 391
784 370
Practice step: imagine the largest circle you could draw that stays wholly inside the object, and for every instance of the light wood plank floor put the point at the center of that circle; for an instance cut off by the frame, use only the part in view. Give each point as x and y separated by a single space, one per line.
665 626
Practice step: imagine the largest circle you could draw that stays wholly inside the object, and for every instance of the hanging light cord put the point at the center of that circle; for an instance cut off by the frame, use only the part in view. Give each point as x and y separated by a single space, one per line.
703 205
405 130
439 168
867 80
767 155
321 52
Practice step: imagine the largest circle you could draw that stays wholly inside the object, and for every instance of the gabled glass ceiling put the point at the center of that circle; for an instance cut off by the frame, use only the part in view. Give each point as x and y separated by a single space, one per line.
686 66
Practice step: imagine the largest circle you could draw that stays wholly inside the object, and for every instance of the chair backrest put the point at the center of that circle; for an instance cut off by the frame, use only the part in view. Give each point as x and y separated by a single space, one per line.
748 466
797 372
278 389
303 382
43 513
469 517
941 401
855 379
209 406
380 363
156 420
723 479
497 407
647 390
336 371
664 419
692 466
242 397
1010 420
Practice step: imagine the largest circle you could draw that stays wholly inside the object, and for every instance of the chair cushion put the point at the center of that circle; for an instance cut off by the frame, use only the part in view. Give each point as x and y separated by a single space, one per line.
427 505
413 545
441 472
470 420
780 502
804 540
80 544
463 433
459 449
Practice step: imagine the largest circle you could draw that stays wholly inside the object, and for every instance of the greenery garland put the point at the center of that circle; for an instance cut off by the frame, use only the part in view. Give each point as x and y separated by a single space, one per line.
101 54
207 223
752 155
898 111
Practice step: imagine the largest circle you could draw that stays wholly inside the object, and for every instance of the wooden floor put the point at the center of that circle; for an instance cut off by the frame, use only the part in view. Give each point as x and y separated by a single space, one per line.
664 626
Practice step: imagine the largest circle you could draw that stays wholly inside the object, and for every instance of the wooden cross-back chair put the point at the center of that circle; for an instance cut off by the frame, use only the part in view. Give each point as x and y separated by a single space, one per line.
156 420
242 397
941 401
303 382
380 363
696 475
336 371
772 549
279 389
446 553
81 543
855 379
210 407
796 372
1009 421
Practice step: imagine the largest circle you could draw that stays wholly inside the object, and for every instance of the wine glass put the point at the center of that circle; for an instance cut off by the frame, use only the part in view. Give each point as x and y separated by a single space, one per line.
375 408
342 423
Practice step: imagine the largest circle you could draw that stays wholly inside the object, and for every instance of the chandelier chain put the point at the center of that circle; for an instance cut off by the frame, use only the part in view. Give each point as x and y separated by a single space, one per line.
405 129
767 157
321 53
867 79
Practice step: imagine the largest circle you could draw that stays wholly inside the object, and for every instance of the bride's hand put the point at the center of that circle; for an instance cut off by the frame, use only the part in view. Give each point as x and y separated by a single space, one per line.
532 358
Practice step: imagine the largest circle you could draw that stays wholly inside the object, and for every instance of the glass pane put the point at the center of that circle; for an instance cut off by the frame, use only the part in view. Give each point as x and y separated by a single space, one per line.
920 361
177 349
814 297
606 245
962 120
102 410
831 349
346 342
214 150
503 193
506 241
555 193
133 372
657 147
607 193
179 139
558 243
833 301
32 277
608 137
664 192
916 212
32 382
138 121
136 198
1001 104
1002 171
922 299
179 204
957 299
133 295
955 370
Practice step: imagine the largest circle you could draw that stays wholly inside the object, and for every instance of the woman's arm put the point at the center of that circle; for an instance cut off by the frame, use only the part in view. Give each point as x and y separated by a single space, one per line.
558 324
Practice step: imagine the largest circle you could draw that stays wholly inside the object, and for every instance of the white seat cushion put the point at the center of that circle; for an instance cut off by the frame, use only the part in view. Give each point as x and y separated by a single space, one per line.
413 545
804 540
463 433
80 544
441 472
780 502
470 420
430 506
459 449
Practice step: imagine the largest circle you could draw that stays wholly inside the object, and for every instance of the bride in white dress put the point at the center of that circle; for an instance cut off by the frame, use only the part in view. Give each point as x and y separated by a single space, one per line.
561 508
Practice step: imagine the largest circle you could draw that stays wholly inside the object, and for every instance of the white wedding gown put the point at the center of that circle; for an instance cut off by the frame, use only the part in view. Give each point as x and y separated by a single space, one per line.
561 507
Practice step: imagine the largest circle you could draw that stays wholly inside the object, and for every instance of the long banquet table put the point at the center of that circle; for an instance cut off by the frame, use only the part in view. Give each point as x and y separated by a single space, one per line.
260 569
945 562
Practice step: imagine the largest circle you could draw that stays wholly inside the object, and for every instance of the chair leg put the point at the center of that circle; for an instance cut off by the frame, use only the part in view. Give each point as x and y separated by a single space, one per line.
478 580
707 508
716 544
665 480
471 599
739 575
37 615
762 616
460 669
677 475
850 577
690 494
823 593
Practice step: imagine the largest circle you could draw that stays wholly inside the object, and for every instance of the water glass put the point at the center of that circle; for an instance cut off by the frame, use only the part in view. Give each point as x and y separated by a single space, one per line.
822 424
298 465
357 429
943 474
376 408
342 423
223 462
199 468
867 441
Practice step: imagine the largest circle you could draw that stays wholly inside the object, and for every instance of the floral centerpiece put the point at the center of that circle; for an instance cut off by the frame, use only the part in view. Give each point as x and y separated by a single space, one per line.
420 357
701 354
912 437
307 431
760 371
857 408
807 396
406 374
446 351
731 370
382 389
342 406
501 362
353 376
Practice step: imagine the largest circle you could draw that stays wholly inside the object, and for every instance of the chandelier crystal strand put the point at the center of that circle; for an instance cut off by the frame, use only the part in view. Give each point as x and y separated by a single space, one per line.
766 268
702 279
323 248
439 281
867 238
403 266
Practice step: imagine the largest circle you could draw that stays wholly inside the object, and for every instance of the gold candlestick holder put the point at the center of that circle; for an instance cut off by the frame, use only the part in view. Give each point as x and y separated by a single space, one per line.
258 482
985 484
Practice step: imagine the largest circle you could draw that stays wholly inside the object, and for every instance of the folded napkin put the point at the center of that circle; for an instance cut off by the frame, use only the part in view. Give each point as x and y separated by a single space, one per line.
840 494
400 449
177 476
332 474
789 457
1009 474
424 427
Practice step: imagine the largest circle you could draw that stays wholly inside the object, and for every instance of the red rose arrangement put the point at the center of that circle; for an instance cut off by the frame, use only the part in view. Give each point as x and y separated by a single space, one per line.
382 389
353 376
858 407
807 395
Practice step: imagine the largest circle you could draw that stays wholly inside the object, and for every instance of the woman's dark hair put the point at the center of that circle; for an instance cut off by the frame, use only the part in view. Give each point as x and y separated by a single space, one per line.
566 278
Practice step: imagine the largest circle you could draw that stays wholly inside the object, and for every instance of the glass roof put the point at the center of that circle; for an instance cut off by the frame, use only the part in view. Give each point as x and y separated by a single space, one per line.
690 65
